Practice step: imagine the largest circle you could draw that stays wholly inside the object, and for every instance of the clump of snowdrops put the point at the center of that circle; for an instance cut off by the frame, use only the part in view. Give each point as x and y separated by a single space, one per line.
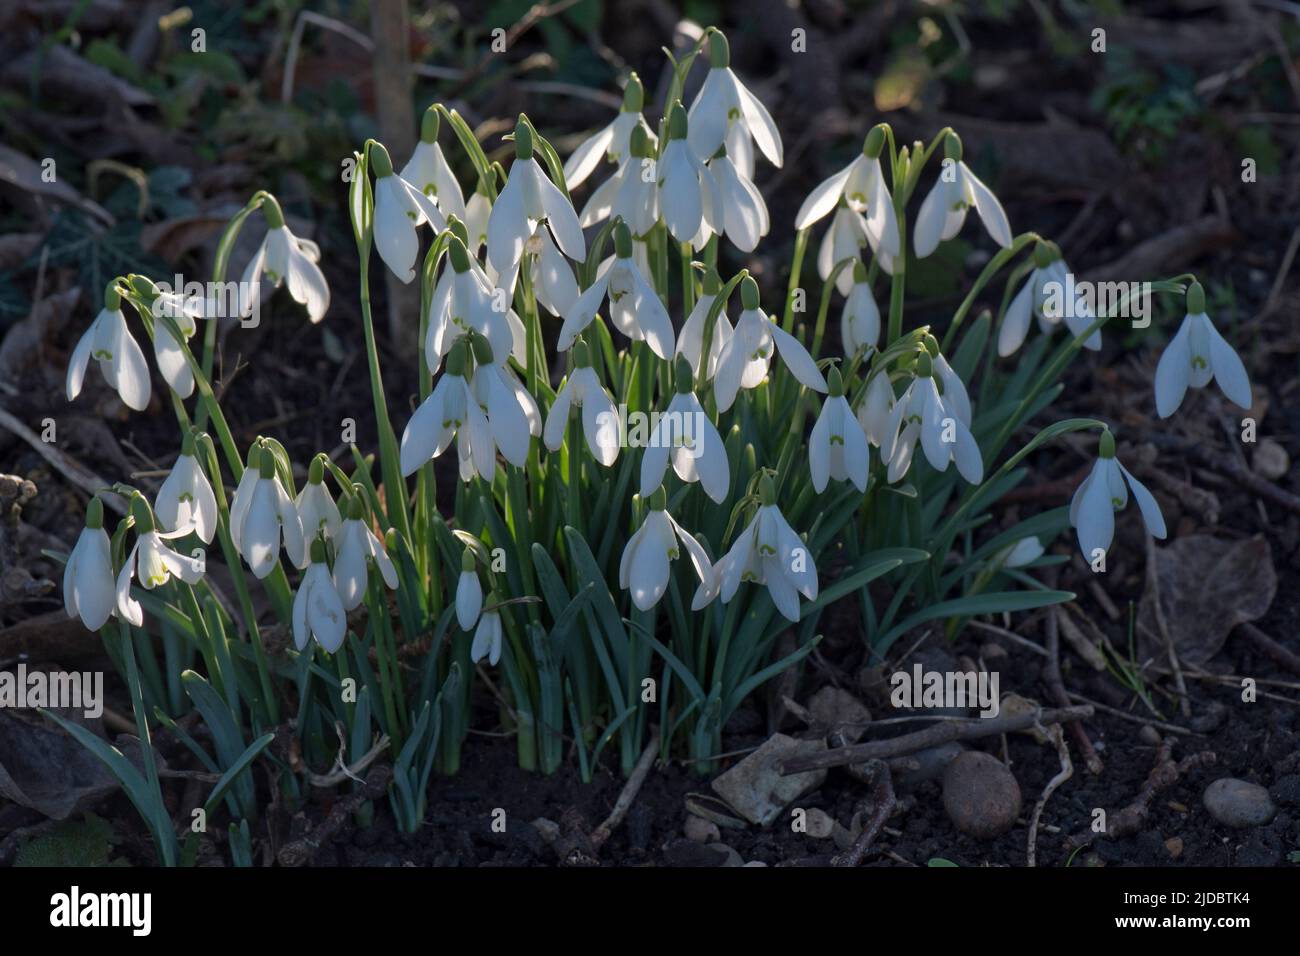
660 472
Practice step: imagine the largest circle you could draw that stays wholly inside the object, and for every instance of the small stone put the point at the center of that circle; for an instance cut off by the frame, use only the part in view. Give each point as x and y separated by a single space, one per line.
548 829
1175 847
1210 718
992 652
1237 803
755 787
931 763
840 712
755 863
701 830
1149 735
981 795
1270 460
820 824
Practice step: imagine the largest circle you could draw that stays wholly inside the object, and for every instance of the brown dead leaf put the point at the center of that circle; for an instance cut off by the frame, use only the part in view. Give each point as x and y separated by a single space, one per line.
1207 587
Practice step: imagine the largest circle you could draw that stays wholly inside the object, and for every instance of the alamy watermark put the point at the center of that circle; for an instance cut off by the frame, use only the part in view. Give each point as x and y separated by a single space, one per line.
63 690
1084 299
922 689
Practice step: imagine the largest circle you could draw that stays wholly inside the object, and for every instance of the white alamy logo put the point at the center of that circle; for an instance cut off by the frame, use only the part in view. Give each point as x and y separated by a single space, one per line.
64 690
1082 299
76 909
924 689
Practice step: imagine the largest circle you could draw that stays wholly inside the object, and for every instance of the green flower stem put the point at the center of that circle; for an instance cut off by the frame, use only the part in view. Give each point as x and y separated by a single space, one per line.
574 512
219 267
238 575
394 484
994 266
688 279
796 270
385 651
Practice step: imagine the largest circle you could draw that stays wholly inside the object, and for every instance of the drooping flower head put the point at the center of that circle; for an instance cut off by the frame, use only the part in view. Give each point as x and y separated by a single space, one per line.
317 609
1197 354
748 353
357 551
939 419
726 112
635 309
284 258
689 198
860 319
1101 494
529 199
632 193
770 553
88 576
956 191
428 170
863 208
186 499
685 436
151 562
600 420
837 447
469 592
400 210
644 568
317 512
487 636
262 516
611 141
690 344
1049 294
109 342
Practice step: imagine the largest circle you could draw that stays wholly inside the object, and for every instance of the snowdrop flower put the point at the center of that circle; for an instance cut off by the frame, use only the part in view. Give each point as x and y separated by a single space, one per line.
151 562
690 344
317 512
428 170
1044 295
860 319
1195 355
724 104
469 592
120 360
748 353
644 569
744 214
843 240
477 212
451 412
186 501
357 550
552 276
863 207
837 447
873 412
262 515
284 257
632 193
317 609
940 422
690 200
167 349
1101 494
1023 552
955 192
512 415
685 436
612 141
487 636
463 301
769 553
88 577
529 198
400 210
600 421
635 308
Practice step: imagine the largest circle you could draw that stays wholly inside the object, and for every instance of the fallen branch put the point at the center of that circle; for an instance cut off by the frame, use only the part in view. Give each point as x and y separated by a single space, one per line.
1055 684
940 733
1067 771
628 794
1270 648
303 850
1163 775
882 798
1229 467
